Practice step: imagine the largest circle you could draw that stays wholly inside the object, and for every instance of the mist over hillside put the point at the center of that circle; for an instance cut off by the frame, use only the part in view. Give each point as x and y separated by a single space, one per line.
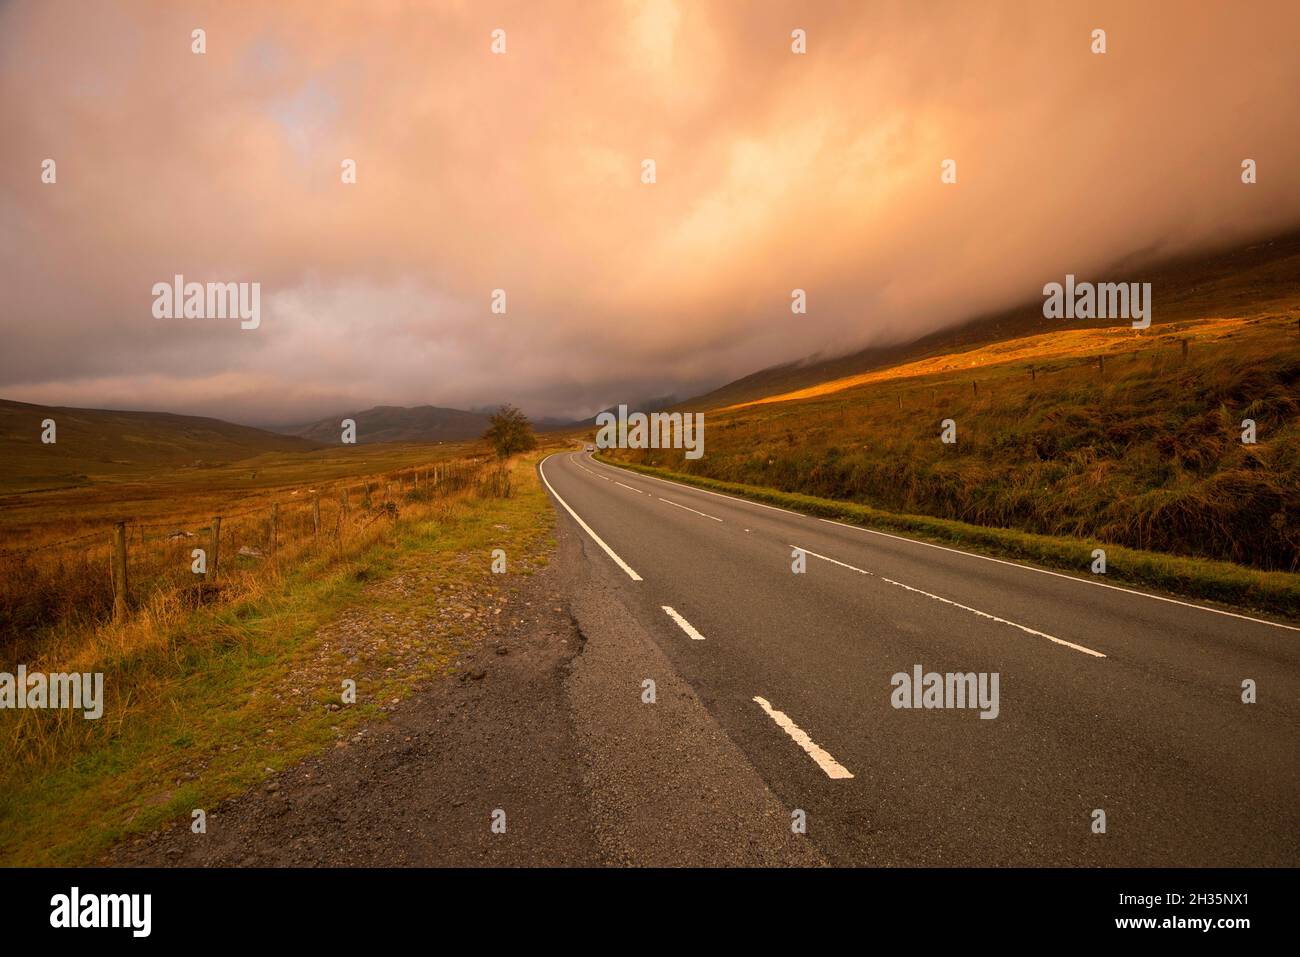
1264 273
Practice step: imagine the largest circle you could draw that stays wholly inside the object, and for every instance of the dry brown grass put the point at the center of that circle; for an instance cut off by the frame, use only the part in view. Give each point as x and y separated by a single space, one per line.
165 604
56 584
200 702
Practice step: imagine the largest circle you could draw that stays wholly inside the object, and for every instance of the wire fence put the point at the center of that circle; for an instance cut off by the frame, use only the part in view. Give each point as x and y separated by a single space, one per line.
107 575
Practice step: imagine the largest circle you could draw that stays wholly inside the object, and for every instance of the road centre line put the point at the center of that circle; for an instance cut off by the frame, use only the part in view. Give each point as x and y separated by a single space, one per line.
824 761
689 509
692 488
987 558
685 625
1073 578
603 478
948 601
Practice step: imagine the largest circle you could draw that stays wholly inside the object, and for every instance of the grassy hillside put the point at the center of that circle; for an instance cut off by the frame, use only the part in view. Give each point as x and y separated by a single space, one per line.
392 423
1143 452
101 445
1258 280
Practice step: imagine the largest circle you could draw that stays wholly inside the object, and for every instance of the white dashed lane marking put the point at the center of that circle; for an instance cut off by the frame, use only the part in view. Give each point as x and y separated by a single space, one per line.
685 625
689 509
948 601
819 754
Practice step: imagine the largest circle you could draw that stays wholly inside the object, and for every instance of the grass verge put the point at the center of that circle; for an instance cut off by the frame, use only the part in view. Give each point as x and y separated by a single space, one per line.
242 691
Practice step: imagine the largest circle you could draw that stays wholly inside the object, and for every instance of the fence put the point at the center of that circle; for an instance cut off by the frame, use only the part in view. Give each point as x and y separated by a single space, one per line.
105 575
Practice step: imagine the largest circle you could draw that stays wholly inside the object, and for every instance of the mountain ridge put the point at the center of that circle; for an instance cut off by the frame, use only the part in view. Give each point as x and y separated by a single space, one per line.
396 423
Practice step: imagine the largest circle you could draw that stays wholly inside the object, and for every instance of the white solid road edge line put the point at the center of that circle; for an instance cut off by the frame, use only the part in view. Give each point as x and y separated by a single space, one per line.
824 761
686 626
541 470
956 604
1072 578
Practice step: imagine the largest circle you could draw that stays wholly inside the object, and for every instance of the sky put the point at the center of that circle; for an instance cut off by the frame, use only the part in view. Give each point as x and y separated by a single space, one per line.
523 171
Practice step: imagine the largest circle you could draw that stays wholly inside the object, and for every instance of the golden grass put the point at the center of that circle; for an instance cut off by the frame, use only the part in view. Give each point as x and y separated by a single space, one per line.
1064 344
201 701
1145 454
55 565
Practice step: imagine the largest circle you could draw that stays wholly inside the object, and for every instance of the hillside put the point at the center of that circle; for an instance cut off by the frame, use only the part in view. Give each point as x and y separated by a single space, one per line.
393 423
1260 278
1084 430
98 444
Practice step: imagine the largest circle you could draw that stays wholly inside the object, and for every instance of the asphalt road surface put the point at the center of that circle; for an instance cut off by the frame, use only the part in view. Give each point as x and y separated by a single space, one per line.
1108 699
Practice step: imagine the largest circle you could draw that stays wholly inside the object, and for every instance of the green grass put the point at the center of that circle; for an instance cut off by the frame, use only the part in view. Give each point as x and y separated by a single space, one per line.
188 723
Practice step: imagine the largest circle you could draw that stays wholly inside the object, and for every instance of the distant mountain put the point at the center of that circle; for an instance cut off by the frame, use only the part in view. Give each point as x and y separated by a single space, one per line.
103 443
1185 288
553 424
655 404
394 423
549 423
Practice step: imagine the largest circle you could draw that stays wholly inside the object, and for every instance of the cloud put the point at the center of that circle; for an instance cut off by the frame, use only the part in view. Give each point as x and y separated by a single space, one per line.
522 172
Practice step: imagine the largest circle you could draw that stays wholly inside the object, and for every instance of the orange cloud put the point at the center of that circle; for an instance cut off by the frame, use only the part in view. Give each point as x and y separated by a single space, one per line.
522 172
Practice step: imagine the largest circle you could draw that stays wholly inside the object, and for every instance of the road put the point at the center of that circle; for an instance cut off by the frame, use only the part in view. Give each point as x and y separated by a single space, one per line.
1109 699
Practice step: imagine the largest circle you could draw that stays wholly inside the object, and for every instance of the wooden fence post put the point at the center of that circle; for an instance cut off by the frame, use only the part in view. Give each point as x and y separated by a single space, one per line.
119 571
1184 345
1101 365
214 549
315 519
275 525
1033 374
